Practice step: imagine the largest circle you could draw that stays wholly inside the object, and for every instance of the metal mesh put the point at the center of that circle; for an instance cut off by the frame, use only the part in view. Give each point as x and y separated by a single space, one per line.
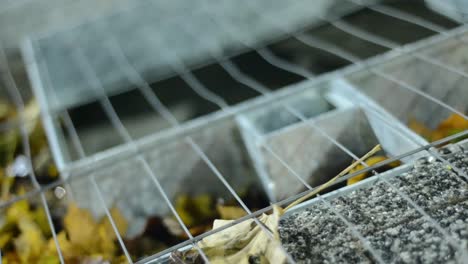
287 138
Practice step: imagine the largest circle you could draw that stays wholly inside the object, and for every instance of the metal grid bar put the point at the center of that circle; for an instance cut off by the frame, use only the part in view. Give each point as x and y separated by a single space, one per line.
409 200
214 169
331 48
108 108
350 225
324 46
450 238
82 175
19 104
111 220
201 90
362 34
131 5
197 87
130 139
419 209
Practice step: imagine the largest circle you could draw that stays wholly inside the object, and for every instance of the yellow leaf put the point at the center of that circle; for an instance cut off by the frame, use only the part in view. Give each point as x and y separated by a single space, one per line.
119 221
49 260
30 243
454 121
195 210
106 241
52 171
370 162
17 211
230 212
8 143
40 218
81 228
6 183
10 258
69 251
451 125
107 235
5 238
419 128
6 110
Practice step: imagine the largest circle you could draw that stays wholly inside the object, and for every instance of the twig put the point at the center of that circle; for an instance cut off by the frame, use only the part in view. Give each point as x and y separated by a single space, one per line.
331 181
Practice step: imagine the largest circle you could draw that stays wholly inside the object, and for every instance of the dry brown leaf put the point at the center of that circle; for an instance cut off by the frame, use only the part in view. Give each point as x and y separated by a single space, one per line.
243 242
247 242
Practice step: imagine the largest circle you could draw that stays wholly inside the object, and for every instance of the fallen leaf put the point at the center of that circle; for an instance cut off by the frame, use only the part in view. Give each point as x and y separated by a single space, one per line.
119 221
40 218
243 242
195 210
81 228
230 212
18 211
106 233
246 242
6 110
5 238
87 237
454 121
30 243
49 259
8 144
10 258
370 162
69 251
453 124
6 183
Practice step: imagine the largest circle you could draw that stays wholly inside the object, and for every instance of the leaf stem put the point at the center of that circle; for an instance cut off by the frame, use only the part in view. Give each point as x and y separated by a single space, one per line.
376 149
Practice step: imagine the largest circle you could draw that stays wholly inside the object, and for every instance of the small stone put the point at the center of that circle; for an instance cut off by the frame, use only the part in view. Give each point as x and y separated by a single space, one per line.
60 192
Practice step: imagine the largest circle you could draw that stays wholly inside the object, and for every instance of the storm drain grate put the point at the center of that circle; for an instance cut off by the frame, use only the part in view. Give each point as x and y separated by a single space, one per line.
289 131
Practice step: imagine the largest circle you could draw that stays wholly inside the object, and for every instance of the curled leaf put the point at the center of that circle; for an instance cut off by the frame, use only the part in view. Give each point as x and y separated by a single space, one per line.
244 242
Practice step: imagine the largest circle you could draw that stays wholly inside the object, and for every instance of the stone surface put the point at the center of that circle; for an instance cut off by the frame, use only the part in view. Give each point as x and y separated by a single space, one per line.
394 229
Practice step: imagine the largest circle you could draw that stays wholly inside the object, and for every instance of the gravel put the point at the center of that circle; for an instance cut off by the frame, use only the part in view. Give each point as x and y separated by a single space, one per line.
393 228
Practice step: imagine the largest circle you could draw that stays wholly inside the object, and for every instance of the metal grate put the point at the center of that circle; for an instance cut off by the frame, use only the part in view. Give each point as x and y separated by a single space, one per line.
272 138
